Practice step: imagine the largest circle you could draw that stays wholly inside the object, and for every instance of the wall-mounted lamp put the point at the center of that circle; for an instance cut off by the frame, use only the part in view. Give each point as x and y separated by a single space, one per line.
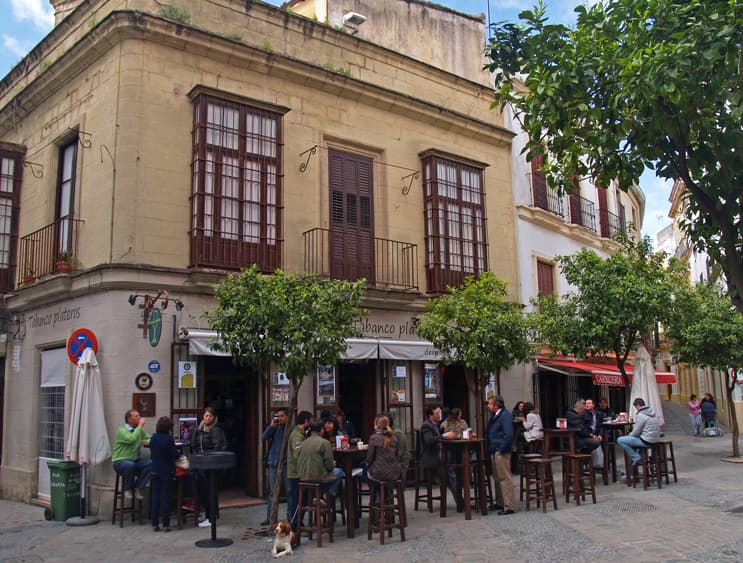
352 21
149 303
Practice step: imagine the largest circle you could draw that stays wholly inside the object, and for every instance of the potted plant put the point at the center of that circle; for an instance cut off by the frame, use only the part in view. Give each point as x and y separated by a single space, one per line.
63 263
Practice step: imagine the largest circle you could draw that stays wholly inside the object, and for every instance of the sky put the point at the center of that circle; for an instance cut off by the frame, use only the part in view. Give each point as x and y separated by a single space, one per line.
26 22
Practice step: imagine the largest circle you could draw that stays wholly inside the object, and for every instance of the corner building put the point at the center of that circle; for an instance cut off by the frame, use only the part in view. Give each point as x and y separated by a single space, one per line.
148 153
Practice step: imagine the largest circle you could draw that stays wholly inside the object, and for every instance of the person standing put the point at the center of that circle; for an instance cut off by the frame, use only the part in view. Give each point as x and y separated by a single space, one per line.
645 432
709 410
163 453
130 437
275 433
296 439
695 415
499 432
208 437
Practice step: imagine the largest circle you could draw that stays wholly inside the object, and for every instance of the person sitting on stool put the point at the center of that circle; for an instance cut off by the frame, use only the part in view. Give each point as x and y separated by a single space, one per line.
130 437
315 462
645 432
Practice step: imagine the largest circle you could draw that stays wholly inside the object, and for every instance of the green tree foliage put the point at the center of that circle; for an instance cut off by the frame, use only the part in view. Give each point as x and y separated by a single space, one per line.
477 326
616 302
705 330
636 84
294 321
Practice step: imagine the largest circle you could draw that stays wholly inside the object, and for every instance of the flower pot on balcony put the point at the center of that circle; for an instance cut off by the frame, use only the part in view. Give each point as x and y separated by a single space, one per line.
63 267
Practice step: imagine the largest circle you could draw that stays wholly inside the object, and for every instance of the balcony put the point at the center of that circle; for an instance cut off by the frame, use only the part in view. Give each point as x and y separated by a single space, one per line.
50 250
611 224
544 197
583 212
351 256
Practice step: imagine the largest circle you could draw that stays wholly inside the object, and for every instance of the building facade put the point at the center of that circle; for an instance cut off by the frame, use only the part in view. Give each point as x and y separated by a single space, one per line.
148 151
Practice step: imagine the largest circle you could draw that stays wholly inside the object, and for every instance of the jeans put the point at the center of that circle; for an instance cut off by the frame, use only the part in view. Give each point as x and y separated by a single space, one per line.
335 488
160 499
696 423
292 499
128 468
632 445
271 483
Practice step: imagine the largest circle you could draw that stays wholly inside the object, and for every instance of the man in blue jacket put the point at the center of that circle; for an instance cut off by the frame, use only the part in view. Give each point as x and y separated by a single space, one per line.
275 433
500 436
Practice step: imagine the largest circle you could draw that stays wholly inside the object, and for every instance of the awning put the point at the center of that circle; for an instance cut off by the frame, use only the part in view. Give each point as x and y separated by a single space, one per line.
200 341
360 349
602 374
407 350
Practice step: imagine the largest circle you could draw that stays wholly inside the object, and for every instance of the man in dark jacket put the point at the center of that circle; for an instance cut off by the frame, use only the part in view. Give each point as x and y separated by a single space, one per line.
430 437
500 437
275 433
585 440
595 421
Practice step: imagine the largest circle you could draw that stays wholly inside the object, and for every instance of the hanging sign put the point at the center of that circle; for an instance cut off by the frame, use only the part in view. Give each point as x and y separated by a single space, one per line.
155 327
81 339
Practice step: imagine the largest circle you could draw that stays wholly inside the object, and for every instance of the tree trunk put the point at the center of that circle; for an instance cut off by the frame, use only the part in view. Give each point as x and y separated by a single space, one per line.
288 426
730 387
627 386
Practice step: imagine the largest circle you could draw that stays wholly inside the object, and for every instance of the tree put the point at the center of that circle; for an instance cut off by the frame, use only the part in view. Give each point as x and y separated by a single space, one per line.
294 321
637 83
616 302
705 330
477 326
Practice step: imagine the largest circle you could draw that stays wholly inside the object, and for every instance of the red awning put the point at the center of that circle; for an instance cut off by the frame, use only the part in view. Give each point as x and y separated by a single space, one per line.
602 373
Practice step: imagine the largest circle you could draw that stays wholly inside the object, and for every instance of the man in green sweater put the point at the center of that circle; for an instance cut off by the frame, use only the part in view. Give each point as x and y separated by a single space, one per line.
130 437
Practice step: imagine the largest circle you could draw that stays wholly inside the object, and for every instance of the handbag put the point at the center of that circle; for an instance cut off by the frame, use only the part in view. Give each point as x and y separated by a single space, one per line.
182 462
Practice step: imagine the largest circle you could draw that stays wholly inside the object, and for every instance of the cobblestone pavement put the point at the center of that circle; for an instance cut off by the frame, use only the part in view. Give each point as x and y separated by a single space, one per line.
696 519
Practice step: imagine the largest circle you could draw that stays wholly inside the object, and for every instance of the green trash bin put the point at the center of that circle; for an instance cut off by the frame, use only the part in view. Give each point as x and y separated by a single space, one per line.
64 478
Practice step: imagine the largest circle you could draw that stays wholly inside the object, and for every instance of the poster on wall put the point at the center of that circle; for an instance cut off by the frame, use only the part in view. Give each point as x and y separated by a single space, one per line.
431 383
326 385
280 389
490 390
186 375
186 428
145 404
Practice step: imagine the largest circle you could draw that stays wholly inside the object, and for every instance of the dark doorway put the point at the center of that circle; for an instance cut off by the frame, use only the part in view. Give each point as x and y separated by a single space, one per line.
357 395
455 390
233 393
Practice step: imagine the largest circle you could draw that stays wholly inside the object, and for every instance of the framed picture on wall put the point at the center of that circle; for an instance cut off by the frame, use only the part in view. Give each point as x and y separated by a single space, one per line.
325 385
145 403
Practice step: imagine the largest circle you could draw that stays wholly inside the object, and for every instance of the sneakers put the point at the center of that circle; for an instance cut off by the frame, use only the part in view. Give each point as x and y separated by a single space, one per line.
128 495
205 523
636 462
265 522
138 494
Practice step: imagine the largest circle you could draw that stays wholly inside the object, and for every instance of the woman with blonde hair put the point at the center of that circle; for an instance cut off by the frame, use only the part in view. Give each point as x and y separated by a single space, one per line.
381 458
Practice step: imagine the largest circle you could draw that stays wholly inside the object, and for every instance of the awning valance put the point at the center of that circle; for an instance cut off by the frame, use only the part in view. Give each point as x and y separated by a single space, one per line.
200 341
360 349
602 373
408 350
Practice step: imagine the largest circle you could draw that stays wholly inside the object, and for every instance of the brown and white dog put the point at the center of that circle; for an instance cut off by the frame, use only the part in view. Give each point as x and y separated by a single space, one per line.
284 540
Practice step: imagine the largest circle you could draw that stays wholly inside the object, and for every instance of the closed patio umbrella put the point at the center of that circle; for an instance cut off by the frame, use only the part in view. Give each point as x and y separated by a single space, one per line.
644 384
87 440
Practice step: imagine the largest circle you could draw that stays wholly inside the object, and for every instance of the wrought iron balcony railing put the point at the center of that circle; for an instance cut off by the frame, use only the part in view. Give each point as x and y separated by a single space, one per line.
351 256
583 212
49 250
611 224
545 197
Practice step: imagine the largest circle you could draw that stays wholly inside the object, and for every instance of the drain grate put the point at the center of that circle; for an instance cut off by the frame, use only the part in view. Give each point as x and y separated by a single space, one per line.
634 507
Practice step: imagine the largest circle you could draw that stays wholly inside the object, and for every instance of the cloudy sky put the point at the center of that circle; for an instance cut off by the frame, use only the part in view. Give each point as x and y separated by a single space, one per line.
26 22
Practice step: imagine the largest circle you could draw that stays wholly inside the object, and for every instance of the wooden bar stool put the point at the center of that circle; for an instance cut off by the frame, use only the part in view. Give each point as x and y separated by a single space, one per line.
665 447
120 508
580 477
539 470
321 514
386 509
649 468
183 506
524 468
428 496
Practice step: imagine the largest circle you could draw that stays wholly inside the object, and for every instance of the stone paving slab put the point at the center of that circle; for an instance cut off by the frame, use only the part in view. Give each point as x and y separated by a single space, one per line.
686 521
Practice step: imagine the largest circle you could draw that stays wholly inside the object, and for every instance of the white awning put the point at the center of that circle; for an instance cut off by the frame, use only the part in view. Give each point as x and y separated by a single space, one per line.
200 341
408 350
361 349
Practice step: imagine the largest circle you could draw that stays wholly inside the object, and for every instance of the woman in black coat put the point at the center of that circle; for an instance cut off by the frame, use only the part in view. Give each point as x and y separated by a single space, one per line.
208 437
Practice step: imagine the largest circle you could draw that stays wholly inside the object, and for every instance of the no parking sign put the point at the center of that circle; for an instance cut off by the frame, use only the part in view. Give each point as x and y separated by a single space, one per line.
81 339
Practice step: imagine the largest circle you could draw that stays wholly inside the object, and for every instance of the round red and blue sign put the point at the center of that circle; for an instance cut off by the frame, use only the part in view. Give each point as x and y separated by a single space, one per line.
81 339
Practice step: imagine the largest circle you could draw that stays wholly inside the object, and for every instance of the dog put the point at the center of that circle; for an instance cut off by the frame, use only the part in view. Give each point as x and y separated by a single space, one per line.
284 540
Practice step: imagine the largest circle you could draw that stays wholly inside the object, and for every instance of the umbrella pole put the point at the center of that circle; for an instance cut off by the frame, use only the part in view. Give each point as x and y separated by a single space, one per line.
82 520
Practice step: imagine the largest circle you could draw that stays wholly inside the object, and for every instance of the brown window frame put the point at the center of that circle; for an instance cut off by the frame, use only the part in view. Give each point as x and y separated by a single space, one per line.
11 203
547 273
450 256
237 189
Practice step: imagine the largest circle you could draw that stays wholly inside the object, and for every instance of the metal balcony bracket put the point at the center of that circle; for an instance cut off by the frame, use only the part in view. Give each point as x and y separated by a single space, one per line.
309 152
37 170
406 187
